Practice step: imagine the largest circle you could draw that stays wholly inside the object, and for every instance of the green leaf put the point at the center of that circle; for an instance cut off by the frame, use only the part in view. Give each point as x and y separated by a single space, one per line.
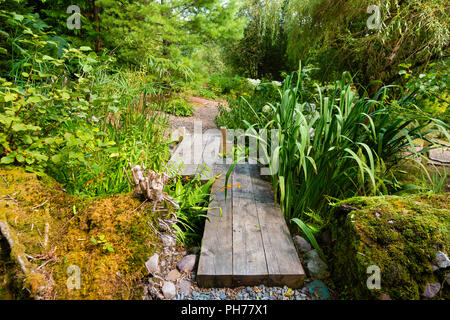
10 97
307 231
20 158
65 96
19 127
34 99
85 48
57 158
7 159
18 17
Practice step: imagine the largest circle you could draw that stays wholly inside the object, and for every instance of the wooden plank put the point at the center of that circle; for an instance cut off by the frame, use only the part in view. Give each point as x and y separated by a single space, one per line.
249 261
283 264
211 149
209 156
215 267
184 159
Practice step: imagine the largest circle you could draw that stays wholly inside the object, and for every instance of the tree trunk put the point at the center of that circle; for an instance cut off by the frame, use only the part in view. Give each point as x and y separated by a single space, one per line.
98 41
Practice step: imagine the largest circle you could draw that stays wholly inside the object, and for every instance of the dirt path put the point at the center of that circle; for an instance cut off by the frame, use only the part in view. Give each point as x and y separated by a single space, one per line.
205 112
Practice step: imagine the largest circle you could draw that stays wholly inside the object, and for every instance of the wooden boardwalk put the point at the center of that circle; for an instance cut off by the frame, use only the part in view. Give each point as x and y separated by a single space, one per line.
246 240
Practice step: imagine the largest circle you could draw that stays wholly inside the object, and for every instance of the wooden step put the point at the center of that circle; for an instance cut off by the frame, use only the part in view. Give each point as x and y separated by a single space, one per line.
246 240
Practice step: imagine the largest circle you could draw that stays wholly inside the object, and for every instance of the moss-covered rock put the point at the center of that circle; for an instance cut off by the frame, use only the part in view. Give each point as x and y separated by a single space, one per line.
53 230
400 235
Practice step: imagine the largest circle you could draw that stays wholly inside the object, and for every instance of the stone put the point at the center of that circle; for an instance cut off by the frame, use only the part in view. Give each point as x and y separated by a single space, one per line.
152 264
448 278
185 286
319 288
187 264
316 267
173 275
431 289
168 289
442 260
302 244
168 241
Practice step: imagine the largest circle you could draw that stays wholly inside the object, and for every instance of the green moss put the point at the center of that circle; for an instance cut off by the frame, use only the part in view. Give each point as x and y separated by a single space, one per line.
72 222
399 234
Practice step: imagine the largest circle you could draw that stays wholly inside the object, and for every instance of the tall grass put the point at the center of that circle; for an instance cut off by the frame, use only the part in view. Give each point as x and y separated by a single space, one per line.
342 146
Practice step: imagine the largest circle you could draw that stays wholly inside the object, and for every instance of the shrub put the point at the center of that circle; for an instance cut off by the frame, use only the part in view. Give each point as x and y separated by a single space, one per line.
178 106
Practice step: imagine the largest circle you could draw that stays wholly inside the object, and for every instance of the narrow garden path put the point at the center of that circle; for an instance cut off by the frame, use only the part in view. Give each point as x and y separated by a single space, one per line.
205 111
259 259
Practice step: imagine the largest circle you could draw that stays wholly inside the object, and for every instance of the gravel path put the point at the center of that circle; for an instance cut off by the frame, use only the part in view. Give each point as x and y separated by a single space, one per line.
246 293
205 112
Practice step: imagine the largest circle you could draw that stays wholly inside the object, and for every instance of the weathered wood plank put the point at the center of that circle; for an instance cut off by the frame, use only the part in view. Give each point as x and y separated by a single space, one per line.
249 261
183 159
215 267
212 146
283 264
249 243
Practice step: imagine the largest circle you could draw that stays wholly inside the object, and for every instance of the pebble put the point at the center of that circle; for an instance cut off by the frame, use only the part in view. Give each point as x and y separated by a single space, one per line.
173 275
302 244
442 260
152 264
316 267
185 286
187 264
260 292
168 289
431 289
319 288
